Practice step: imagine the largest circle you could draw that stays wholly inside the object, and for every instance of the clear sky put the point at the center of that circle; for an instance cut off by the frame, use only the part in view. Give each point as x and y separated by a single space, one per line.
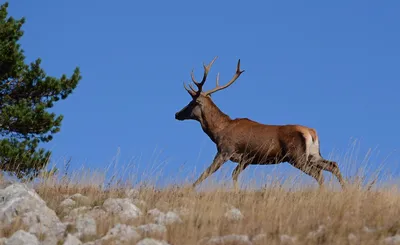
330 65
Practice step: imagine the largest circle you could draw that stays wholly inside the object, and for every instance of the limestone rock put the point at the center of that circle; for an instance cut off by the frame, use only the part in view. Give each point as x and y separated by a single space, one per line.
72 240
22 238
123 207
17 200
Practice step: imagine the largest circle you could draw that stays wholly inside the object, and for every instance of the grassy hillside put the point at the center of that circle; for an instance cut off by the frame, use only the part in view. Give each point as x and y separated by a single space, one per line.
271 215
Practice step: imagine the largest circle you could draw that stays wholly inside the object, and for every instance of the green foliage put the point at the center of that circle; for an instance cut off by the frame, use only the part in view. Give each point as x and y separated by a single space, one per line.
26 92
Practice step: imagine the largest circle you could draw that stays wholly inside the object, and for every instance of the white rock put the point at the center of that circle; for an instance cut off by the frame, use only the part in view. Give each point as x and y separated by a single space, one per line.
368 230
203 241
168 218
97 213
138 202
353 239
392 240
72 240
132 193
234 239
80 210
259 238
154 212
150 241
97 242
22 238
85 226
318 233
17 200
81 199
122 207
287 240
234 214
122 232
158 216
67 203
74 213
152 230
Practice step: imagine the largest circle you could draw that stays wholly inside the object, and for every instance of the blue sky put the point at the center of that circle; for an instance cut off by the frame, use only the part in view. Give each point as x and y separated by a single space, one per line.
330 65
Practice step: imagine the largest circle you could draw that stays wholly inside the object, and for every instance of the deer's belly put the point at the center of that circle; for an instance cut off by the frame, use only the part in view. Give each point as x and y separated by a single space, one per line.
257 158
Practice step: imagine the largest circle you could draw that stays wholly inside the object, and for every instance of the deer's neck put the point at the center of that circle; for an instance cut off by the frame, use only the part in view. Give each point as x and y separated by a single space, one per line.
213 120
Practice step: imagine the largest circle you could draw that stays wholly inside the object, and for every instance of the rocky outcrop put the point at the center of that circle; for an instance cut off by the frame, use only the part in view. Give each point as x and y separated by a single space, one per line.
18 202
40 225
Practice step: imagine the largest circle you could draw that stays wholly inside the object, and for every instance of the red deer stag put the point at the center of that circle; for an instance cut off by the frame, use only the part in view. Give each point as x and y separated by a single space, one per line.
248 142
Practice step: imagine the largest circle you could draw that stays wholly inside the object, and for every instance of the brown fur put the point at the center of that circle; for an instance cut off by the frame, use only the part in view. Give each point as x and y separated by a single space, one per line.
248 142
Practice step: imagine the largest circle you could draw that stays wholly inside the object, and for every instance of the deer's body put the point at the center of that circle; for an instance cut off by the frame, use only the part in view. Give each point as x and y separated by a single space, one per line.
263 144
247 142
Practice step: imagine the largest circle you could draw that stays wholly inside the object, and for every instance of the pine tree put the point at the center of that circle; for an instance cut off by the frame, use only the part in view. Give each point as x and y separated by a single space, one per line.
26 92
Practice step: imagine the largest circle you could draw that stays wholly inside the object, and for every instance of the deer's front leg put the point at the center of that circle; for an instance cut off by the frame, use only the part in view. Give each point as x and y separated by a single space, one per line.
219 159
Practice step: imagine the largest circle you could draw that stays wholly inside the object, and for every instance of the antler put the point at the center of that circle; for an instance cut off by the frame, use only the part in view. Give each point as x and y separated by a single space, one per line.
199 85
218 87
195 93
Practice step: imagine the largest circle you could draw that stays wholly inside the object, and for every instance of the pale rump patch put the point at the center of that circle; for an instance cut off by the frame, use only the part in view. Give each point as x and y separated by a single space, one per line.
312 147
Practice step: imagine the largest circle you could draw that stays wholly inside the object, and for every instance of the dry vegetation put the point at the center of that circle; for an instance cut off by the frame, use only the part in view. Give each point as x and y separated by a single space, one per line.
358 215
273 211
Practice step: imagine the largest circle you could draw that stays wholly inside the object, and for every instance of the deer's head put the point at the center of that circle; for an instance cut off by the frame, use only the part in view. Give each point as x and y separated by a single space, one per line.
202 100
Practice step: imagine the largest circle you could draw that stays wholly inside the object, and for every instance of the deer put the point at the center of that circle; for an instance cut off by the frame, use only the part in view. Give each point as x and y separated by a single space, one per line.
247 142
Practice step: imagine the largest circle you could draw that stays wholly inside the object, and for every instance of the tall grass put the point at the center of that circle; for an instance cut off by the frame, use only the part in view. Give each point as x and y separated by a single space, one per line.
365 213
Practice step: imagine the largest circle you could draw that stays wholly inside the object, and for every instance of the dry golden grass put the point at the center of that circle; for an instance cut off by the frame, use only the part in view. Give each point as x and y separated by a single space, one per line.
273 211
357 215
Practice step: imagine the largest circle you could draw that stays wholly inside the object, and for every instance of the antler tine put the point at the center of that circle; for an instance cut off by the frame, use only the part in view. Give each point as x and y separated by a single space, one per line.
191 87
236 76
191 91
206 70
217 80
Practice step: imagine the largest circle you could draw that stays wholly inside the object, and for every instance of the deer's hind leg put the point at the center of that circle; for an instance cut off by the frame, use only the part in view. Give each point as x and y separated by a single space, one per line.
332 167
312 170
302 155
315 158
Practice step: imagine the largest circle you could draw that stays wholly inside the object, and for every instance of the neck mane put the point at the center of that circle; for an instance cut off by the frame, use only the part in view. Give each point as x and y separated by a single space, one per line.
213 120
